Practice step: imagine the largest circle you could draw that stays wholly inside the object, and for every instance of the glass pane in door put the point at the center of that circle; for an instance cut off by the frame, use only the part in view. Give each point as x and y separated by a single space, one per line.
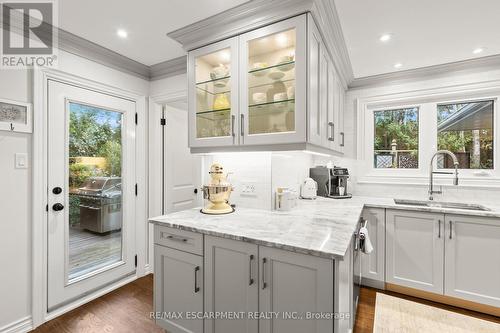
213 94
271 83
95 189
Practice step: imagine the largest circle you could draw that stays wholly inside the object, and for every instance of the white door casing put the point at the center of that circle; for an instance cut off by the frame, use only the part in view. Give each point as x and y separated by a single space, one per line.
182 170
60 290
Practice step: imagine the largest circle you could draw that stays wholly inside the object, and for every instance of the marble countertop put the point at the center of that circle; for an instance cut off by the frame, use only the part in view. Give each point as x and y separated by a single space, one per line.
321 227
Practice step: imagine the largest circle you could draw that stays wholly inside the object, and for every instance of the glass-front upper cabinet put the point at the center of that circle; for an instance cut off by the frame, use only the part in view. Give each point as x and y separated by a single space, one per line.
273 83
213 94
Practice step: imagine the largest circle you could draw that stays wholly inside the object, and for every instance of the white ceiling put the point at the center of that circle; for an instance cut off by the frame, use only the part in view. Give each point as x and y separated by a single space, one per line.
425 32
147 23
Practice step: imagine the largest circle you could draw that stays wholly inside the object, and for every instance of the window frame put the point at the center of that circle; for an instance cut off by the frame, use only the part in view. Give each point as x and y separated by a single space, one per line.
427 102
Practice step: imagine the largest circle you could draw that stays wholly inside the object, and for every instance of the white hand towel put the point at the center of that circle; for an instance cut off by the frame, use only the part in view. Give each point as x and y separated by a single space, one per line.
367 244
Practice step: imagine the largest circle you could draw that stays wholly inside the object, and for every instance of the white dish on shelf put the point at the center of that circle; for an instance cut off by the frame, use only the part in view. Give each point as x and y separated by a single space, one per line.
258 67
276 75
259 98
221 83
278 97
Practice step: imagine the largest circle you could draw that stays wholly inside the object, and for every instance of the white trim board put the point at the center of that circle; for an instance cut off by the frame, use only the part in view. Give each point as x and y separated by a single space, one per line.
39 214
21 326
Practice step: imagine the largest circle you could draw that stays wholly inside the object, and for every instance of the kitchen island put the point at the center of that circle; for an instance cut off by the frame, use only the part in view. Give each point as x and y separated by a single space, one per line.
266 271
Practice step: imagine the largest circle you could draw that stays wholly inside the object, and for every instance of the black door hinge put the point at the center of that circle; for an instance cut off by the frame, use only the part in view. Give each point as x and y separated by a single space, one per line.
136 190
136 118
163 121
135 260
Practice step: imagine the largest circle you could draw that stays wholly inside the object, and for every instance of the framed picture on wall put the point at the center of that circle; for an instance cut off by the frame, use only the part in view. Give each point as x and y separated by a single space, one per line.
15 116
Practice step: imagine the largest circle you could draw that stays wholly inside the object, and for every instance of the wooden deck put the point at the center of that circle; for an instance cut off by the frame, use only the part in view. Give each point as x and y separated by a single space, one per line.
89 251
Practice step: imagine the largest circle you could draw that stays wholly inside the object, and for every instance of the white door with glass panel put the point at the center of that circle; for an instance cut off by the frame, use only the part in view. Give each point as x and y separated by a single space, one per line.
91 191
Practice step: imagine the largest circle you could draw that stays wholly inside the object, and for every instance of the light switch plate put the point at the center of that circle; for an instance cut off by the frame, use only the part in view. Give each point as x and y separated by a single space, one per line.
21 161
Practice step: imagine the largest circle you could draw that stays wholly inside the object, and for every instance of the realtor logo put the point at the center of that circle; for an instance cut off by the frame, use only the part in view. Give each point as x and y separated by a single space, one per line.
28 34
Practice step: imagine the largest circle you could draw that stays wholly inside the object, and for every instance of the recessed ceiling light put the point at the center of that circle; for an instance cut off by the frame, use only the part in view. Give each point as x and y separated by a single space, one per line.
398 65
122 33
478 50
385 37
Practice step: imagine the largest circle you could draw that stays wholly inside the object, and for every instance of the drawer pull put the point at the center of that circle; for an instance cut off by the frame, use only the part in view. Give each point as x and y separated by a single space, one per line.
177 239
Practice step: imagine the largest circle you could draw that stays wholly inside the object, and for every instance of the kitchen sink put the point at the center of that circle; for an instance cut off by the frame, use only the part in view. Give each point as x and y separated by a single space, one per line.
437 204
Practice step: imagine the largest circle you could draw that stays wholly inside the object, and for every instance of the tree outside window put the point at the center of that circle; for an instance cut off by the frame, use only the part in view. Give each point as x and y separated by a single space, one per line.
396 138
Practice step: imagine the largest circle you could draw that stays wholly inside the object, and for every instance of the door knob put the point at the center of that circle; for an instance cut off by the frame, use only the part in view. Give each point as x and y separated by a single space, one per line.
57 207
195 191
57 190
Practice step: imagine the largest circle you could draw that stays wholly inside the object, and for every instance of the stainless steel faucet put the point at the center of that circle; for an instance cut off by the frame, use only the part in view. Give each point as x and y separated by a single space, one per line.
432 172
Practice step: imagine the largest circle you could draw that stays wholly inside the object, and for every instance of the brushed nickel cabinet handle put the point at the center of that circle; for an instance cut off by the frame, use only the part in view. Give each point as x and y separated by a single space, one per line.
451 228
439 228
264 284
233 119
177 239
250 270
342 134
196 288
242 122
332 133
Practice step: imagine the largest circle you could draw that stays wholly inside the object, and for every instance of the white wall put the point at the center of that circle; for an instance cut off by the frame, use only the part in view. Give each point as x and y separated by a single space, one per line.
16 184
451 193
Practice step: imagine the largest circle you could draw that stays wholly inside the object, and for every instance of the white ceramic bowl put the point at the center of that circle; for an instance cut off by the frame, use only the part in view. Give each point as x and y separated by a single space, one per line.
259 98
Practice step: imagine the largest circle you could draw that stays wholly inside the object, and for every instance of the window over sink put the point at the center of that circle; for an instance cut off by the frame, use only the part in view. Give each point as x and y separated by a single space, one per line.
466 129
395 144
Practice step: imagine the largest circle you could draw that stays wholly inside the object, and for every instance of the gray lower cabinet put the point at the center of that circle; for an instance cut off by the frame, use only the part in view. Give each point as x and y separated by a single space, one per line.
373 264
231 284
472 260
415 250
292 283
178 288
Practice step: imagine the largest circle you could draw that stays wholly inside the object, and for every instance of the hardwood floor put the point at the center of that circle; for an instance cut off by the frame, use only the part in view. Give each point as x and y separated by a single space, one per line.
366 309
124 310
128 308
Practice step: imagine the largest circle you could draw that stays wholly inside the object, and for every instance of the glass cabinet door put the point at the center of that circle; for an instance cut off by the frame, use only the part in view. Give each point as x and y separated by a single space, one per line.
273 89
213 80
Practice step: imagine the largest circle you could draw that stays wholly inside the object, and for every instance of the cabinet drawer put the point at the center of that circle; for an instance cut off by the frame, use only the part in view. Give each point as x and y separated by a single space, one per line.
179 239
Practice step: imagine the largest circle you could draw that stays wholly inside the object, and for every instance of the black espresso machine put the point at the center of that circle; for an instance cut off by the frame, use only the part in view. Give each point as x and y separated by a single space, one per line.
332 182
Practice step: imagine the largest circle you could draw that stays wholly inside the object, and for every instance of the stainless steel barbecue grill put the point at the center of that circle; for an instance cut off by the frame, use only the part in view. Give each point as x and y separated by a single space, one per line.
101 204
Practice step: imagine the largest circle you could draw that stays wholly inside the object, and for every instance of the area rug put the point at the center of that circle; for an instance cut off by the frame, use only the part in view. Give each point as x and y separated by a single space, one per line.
397 315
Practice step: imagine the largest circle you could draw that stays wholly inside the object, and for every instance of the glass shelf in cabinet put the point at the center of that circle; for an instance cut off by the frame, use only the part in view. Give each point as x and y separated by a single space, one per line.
284 66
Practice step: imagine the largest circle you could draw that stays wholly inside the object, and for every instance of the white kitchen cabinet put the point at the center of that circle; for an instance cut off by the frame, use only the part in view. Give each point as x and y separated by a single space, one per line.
270 87
294 283
373 264
178 288
273 83
415 249
472 260
231 283
213 94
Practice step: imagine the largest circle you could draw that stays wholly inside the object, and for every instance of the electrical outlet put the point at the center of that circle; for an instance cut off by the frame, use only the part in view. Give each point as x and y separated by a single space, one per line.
249 189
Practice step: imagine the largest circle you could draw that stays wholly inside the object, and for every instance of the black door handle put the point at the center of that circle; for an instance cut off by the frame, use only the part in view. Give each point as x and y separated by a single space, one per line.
57 190
57 207
195 191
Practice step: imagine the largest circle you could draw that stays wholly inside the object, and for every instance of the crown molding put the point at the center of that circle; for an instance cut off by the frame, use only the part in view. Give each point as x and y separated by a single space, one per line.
429 72
325 14
84 48
168 68
257 13
245 17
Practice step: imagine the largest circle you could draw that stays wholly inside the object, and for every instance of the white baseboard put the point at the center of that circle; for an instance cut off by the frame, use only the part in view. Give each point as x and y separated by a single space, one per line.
23 325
